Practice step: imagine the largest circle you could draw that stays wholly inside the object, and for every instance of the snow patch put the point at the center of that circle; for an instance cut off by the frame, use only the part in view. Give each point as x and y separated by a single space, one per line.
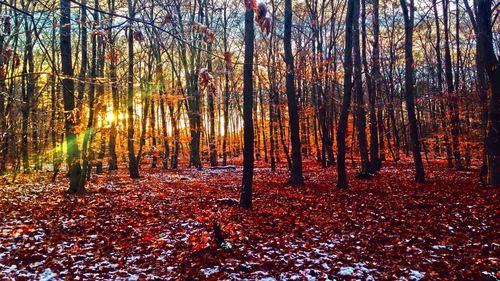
416 275
441 247
48 275
359 270
209 271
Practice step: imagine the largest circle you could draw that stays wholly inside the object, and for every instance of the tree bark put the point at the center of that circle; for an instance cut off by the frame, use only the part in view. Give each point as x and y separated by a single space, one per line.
293 114
70 121
133 166
492 66
360 103
409 96
248 149
352 5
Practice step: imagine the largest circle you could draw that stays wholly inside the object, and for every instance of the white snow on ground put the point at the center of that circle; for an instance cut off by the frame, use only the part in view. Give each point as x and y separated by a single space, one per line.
262 276
346 271
268 279
293 277
490 275
48 275
209 271
311 257
442 247
416 275
14 271
359 270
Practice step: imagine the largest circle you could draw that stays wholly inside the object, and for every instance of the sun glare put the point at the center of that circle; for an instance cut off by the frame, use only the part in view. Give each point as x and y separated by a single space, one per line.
110 117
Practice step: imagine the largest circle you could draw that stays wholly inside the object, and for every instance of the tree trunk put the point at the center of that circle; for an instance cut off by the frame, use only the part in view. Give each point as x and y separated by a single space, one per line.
133 166
360 103
373 85
70 120
450 88
352 5
442 109
248 149
409 97
113 161
293 114
492 66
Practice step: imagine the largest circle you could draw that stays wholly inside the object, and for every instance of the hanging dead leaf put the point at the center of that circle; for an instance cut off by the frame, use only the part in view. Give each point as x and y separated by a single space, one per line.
138 36
205 78
228 57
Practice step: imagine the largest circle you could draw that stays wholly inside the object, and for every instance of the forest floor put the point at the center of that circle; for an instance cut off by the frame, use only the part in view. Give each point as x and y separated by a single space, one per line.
162 225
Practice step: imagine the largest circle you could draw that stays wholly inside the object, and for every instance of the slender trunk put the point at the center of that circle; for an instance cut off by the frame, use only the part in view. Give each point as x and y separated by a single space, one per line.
89 132
373 85
293 111
113 161
442 109
84 57
450 87
352 5
133 166
28 90
163 113
409 96
360 103
73 153
248 149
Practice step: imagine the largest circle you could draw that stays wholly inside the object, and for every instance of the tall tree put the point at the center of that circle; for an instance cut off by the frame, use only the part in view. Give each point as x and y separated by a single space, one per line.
28 88
481 75
113 161
248 149
360 100
372 82
448 70
439 69
89 132
227 69
133 166
352 5
492 66
68 87
212 143
293 120
409 16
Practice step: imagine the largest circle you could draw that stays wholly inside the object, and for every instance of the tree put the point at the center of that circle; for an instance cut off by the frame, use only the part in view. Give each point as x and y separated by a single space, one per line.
210 100
227 69
439 69
450 88
481 77
352 5
373 83
409 15
248 149
28 89
133 166
293 121
492 67
89 132
113 161
360 103
70 114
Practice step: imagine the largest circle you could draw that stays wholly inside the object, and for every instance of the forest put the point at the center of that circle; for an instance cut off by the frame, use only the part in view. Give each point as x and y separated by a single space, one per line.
249 140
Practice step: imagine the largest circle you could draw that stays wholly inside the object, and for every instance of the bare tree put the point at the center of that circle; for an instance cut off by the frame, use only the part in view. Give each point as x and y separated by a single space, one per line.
409 16
248 149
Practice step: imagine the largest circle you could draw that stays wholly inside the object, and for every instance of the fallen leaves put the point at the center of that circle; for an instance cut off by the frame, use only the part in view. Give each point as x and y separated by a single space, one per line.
162 226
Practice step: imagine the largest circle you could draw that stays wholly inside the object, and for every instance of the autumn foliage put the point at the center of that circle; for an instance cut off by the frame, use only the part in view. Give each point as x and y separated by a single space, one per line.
162 226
